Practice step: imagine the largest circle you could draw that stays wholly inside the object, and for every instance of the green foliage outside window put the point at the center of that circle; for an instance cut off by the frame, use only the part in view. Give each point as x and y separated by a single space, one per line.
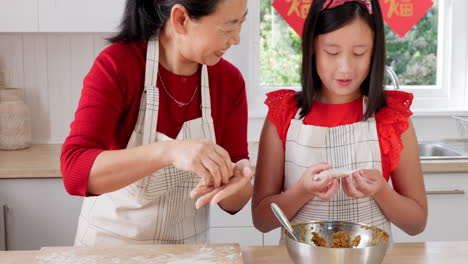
413 58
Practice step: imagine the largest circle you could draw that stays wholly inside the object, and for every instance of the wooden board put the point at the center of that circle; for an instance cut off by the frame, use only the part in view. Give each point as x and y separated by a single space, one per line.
454 252
154 254
17 257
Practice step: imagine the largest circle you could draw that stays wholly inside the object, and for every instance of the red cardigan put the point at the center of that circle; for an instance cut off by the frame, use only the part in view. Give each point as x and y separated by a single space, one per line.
391 120
110 101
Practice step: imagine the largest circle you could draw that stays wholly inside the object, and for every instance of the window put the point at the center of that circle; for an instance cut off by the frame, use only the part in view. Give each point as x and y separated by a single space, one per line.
413 58
280 49
430 61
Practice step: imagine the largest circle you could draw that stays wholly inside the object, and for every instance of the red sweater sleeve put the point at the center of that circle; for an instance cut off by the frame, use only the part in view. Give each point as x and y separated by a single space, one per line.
104 119
229 106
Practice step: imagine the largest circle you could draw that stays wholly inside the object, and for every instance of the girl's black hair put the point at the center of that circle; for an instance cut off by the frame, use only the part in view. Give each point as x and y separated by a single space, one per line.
143 19
320 21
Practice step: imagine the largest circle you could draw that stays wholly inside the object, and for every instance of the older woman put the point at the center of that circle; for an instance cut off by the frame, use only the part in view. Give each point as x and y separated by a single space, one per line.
162 118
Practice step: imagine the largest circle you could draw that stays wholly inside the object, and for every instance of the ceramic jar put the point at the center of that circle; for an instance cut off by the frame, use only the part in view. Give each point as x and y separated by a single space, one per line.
15 120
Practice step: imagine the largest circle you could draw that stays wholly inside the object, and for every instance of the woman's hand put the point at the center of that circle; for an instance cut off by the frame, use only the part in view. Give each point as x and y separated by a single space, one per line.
240 181
363 183
202 157
325 189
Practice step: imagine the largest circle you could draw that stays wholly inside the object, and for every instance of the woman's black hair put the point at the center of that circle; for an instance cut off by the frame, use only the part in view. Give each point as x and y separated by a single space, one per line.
320 21
143 19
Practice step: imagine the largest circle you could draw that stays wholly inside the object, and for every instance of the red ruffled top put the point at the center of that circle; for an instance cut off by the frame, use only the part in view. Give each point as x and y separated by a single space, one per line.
391 120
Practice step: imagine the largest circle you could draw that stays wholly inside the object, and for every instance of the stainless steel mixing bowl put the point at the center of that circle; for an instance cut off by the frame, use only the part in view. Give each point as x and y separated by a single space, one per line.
371 249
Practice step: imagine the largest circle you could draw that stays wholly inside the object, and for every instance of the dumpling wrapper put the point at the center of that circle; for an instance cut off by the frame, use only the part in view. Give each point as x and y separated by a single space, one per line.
337 173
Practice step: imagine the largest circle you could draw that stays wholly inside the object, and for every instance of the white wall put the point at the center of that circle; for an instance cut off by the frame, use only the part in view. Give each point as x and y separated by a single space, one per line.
50 68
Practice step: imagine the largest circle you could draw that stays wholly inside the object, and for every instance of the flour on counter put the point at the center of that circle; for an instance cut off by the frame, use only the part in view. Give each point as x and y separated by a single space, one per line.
202 255
68 258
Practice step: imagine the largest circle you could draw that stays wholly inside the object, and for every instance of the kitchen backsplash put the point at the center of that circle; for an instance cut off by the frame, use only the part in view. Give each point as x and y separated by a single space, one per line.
50 68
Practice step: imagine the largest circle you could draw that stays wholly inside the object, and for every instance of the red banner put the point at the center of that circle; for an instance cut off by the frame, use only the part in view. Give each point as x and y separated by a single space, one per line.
400 15
293 12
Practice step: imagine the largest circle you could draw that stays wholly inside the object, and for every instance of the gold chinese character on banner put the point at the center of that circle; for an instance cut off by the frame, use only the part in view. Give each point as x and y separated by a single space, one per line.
305 10
299 7
404 9
294 7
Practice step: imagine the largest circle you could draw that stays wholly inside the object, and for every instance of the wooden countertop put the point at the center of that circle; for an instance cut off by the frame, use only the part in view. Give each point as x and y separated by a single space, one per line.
43 161
401 253
38 161
445 166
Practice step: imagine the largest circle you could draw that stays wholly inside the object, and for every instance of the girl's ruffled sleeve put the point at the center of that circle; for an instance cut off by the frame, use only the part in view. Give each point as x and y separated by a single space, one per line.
281 109
392 121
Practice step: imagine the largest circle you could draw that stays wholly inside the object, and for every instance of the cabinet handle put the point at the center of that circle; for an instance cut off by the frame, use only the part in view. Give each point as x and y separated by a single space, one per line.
5 211
445 192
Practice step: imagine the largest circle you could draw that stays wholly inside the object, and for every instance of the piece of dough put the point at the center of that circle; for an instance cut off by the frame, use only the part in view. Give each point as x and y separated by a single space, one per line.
337 173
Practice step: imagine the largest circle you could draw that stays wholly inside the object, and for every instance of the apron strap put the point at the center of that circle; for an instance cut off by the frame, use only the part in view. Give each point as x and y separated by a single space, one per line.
207 119
151 92
297 116
152 97
152 63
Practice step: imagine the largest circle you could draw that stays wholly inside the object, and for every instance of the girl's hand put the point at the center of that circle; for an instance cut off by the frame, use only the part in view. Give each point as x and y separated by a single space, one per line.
363 183
325 189
202 157
241 178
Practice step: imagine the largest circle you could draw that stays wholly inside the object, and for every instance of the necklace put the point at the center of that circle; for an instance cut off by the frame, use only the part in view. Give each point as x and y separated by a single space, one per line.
179 103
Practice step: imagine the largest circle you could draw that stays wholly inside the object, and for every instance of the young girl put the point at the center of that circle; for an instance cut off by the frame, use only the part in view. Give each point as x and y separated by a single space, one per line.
342 119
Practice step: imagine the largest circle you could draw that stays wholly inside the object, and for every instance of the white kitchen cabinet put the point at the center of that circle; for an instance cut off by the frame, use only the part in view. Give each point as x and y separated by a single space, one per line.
18 16
219 218
40 213
238 228
272 238
447 207
80 16
2 227
60 15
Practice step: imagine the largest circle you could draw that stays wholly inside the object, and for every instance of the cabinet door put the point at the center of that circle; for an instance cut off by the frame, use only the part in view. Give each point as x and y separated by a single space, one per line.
219 218
80 16
40 213
272 238
448 210
2 227
18 16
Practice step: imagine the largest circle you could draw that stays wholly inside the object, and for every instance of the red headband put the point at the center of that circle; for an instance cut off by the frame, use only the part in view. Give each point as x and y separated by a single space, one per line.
334 3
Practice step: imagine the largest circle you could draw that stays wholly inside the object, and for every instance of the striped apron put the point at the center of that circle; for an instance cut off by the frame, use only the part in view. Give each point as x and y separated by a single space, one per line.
354 146
156 209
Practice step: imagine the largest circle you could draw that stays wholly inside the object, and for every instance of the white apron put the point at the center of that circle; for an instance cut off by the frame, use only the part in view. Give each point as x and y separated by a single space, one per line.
345 147
157 209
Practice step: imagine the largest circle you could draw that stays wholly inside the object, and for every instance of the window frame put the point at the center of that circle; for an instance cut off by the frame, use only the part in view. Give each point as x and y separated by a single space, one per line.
448 96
